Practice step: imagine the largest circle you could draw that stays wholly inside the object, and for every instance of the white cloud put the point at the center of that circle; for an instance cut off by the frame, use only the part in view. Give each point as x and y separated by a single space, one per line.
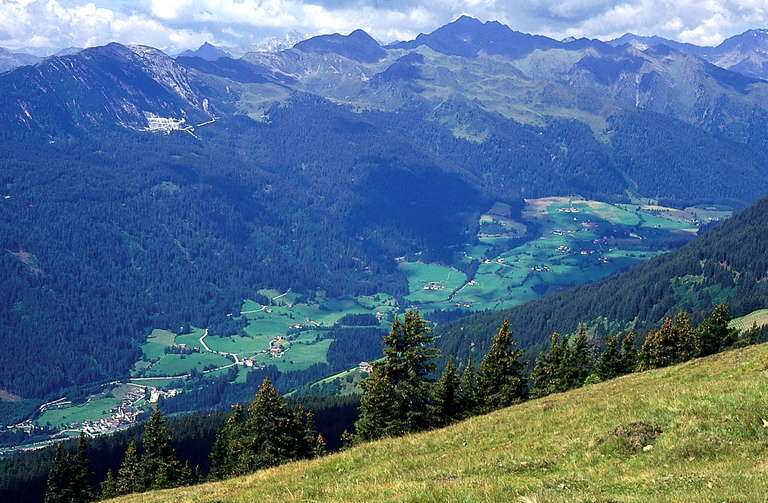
175 24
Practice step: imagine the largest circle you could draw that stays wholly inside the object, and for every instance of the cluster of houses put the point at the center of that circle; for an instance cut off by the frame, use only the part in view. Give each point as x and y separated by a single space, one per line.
278 346
434 286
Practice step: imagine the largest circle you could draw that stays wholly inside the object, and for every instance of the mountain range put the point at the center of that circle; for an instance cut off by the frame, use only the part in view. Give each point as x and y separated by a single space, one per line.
10 60
746 53
168 189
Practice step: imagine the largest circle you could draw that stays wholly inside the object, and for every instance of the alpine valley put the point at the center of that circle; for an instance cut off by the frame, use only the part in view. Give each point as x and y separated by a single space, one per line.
174 230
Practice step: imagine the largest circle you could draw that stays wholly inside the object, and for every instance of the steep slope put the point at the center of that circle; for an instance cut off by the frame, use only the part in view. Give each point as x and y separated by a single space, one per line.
729 264
57 96
704 422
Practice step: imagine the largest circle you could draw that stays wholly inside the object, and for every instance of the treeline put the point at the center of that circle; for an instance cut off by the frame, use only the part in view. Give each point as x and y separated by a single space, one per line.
402 396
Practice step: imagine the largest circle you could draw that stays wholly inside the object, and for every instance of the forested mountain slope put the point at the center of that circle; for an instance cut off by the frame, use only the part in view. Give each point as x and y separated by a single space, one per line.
185 185
727 265
693 432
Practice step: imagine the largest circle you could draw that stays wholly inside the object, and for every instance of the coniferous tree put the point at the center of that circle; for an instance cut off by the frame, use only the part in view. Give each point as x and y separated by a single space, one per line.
610 365
320 448
578 363
263 438
657 349
447 400
224 451
468 400
57 488
347 439
546 377
272 433
304 440
684 337
129 474
109 486
80 476
159 467
714 333
396 396
380 409
750 336
415 383
501 381
628 353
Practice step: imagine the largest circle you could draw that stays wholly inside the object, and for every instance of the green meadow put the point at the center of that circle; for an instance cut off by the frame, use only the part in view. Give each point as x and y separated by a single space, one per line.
709 444
92 410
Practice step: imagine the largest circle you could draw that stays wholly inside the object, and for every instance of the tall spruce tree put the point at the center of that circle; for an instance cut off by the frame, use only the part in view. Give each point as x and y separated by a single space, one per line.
129 474
502 381
271 433
57 487
380 409
109 486
684 336
714 333
159 467
628 353
468 400
547 375
80 475
396 397
579 361
447 400
610 365
224 452
320 448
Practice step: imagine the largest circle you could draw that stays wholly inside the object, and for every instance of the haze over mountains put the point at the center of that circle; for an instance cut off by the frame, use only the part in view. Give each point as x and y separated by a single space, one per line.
746 53
169 189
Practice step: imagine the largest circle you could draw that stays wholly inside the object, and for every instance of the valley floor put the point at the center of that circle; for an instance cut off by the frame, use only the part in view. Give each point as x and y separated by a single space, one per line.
694 432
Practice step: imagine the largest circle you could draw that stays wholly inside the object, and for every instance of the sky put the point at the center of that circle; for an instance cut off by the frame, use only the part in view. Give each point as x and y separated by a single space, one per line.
173 25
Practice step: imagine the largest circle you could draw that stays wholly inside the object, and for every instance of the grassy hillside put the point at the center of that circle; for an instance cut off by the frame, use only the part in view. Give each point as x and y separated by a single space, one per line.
590 444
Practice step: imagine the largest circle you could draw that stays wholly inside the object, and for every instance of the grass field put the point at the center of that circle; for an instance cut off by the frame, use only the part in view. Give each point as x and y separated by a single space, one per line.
591 444
297 317
90 411
176 365
156 362
430 283
578 241
746 322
